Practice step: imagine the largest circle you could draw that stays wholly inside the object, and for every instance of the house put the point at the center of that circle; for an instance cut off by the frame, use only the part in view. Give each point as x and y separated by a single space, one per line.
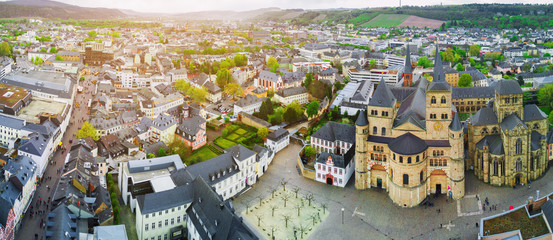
292 79
327 74
495 74
39 148
249 104
334 137
289 95
209 217
11 128
269 80
62 224
110 147
335 169
263 159
278 140
19 185
163 128
192 132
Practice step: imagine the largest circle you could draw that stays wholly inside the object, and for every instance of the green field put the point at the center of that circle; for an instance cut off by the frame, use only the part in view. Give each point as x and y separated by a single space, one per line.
363 18
386 20
224 143
203 153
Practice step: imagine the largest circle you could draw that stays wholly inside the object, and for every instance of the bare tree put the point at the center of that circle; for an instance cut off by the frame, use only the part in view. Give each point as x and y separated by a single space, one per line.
283 183
324 206
273 208
301 229
273 228
286 218
314 218
285 198
273 190
247 207
260 200
299 208
296 190
310 198
259 217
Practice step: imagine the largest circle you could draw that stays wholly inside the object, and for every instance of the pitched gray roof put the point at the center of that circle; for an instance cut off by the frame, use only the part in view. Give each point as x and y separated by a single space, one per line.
362 119
249 100
408 68
11 121
472 92
494 143
278 134
455 124
154 164
340 161
291 91
158 201
535 140
508 86
485 116
407 144
511 121
333 131
269 76
532 113
383 96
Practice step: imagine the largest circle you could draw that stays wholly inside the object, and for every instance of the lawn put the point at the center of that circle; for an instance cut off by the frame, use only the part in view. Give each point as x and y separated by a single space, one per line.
240 131
203 153
386 20
233 137
517 220
302 215
224 143
363 18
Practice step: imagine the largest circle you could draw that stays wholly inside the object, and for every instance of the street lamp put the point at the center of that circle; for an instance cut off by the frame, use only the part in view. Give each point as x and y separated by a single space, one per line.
342 215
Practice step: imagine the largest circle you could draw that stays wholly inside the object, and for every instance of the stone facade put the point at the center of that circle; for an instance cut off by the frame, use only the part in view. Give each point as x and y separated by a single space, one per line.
507 141
413 148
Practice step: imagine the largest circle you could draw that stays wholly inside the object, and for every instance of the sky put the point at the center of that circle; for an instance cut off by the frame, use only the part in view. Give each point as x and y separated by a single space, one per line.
182 6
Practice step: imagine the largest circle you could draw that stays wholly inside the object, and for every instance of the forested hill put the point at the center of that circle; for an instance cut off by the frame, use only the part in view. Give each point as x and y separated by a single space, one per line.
469 15
51 9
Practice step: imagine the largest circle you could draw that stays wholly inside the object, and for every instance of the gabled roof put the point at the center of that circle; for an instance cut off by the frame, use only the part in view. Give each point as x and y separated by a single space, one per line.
158 201
340 161
494 143
484 116
532 113
333 131
512 121
278 134
535 140
383 96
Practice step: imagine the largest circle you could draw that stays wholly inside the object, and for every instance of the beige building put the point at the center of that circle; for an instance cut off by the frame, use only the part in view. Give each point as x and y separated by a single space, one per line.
506 140
413 148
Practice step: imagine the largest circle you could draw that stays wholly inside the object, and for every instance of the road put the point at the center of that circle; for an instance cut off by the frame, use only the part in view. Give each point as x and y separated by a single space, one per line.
30 226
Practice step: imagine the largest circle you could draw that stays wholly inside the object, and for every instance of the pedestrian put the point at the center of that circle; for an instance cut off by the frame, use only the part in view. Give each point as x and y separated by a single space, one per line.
484 207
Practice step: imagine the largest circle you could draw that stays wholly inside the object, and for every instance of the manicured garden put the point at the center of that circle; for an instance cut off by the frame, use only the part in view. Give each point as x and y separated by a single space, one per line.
238 134
517 220
204 153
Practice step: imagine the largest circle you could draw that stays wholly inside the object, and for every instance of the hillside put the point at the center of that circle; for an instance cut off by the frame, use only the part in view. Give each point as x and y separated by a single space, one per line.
52 9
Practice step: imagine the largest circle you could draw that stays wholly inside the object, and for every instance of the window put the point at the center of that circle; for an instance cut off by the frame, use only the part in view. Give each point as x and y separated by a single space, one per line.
153 225
433 100
518 147
417 158
421 176
519 165
178 219
147 215
484 131
409 160
405 179
146 227
400 159
166 222
172 221
507 100
375 130
495 168
383 131
443 100
159 224
394 156
165 237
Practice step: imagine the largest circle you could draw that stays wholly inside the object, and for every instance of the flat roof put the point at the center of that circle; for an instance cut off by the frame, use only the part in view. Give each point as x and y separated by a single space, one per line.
31 112
10 95
162 183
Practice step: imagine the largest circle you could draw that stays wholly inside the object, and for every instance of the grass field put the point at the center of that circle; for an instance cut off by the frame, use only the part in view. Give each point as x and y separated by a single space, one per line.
224 143
363 18
386 20
204 153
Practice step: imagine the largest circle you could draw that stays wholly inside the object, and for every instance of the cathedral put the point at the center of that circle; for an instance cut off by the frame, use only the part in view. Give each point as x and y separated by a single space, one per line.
506 140
410 140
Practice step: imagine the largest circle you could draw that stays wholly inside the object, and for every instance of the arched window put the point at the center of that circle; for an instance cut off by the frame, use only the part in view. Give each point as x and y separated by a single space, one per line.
394 156
405 179
518 147
409 160
536 126
383 131
417 158
484 131
375 130
519 165
433 100
495 168
422 176
494 130
532 163
443 100
400 159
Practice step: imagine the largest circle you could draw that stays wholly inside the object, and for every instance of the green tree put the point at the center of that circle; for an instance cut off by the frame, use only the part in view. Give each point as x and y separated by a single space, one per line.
150 155
59 58
545 96
181 85
272 63
474 50
234 89
53 50
240 60
262 133
526 67
550 117
224 133
372 64
308 80
460 67
161 152
266 109
5 49
547 55
223 77
43 50
312 108
92 34
520 80
424 62
465 80
270 93
290 115
309 151
87 130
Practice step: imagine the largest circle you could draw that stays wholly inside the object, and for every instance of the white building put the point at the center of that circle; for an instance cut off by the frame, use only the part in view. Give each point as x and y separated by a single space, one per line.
278 140
289 95
334 169
10 130
391 76
249 104
157 105
334 137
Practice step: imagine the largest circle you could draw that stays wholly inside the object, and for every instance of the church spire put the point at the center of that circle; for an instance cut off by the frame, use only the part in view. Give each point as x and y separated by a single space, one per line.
408 70
439 75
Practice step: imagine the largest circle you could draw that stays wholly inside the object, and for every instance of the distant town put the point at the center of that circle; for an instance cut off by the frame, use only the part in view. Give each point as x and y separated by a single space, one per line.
267 129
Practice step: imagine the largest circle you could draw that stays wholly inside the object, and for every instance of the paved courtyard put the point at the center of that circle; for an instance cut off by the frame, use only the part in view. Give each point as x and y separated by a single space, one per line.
372 213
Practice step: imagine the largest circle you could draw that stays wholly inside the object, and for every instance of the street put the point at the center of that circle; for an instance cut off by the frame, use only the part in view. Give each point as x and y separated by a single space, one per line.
30 227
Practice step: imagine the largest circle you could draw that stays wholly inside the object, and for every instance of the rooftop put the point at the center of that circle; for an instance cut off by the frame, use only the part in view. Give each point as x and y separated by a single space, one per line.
10 95
37 106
